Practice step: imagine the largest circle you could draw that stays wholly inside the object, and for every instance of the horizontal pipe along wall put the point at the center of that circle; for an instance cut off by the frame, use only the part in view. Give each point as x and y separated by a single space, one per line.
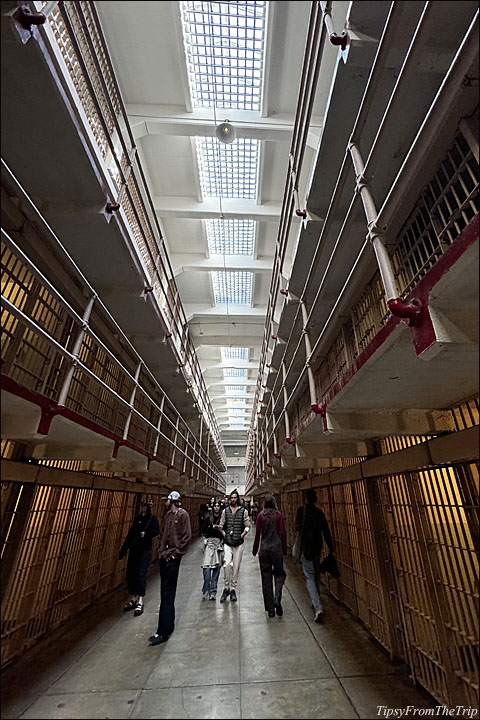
407 544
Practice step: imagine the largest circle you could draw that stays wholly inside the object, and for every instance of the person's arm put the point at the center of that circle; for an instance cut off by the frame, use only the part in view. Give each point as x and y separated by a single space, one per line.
246 523
153 527
126 544
258 532
184 534
326 532
222 523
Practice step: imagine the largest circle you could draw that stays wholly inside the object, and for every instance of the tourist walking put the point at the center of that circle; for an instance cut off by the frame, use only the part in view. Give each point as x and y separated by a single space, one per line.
234 524
175 535
213 553
138 544
312 525
271 538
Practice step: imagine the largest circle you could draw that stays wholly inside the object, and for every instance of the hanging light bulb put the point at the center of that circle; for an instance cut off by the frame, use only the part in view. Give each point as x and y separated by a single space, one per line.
226 133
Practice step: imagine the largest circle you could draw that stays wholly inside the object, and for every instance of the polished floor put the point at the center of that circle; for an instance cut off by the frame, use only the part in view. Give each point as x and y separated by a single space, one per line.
223 661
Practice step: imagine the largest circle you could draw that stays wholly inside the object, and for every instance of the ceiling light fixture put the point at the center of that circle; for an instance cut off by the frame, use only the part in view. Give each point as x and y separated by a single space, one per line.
226 133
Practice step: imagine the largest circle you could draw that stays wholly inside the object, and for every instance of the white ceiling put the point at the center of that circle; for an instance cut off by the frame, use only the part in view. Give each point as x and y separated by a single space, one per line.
145 40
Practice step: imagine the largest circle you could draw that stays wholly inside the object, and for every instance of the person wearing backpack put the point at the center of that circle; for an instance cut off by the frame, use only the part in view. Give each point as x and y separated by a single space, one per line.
271 538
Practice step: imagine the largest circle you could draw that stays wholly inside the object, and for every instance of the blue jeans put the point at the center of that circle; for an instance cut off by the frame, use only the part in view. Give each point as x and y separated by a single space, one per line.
308 567
210 580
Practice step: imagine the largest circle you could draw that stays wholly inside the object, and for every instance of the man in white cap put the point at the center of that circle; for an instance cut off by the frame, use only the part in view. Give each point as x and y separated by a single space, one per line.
175 535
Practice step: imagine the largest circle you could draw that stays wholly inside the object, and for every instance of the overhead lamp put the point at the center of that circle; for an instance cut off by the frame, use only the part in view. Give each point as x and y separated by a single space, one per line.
225 132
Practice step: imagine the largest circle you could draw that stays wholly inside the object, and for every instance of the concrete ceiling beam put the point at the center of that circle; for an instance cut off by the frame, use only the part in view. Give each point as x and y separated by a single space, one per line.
190 207
333 449
218 263
309 463
380 423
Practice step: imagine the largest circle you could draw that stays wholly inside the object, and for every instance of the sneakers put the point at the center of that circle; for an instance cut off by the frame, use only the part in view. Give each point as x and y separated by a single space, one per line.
271 613
233 596
225 594
278 607
205 596
212 597
318 617
129 605
138 609
157 639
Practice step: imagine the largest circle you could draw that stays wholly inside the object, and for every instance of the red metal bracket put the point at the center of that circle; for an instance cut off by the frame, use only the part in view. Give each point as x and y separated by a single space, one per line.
407 311
343 40
26 18
112 207
290 441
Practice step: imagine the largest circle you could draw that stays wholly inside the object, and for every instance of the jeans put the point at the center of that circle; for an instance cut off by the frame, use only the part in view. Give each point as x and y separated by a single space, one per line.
210 580
271 567
308 567
168 576
233 558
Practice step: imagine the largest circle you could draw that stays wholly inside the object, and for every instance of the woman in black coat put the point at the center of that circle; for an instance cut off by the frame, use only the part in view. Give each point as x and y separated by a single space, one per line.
139 545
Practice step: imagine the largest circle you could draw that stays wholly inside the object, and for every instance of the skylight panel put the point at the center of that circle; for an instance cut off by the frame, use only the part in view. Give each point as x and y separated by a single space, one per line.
230 237
234 373
234 353
224 44
235 388
228 171
234 288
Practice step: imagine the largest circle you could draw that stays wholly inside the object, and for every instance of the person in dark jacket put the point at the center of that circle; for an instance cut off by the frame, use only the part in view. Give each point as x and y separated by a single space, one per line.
270 535
138 544
312 525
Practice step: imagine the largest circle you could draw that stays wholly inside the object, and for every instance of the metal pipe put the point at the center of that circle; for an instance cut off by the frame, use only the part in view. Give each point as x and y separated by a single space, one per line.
395 303
132 400
62 396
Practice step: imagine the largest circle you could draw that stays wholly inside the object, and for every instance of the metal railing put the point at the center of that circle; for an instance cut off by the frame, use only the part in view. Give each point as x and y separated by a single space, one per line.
76 29
447 205
70 356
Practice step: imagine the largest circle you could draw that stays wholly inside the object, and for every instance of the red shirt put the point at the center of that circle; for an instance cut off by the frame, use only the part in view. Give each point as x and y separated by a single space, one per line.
276 517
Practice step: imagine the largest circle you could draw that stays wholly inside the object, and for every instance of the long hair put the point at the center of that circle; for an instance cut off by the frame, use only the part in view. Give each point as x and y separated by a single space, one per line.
214 517
269 502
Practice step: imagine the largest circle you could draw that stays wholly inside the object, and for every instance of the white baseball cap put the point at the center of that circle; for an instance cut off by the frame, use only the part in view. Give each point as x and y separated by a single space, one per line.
174 495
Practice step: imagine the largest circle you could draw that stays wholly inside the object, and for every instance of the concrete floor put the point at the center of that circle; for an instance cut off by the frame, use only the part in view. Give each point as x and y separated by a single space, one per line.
223 661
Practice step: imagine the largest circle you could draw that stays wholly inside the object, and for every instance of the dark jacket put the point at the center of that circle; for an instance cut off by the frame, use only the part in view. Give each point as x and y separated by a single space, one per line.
313 527
139 552
136 544
210 531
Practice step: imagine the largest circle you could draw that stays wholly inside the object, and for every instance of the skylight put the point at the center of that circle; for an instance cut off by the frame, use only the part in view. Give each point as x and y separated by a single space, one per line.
228 171
235 388
234 373
234 288
230 237
224 43
234 353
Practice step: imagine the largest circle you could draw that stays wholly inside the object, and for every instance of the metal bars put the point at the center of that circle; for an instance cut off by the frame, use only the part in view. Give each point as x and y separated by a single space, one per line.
76 29
60 546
